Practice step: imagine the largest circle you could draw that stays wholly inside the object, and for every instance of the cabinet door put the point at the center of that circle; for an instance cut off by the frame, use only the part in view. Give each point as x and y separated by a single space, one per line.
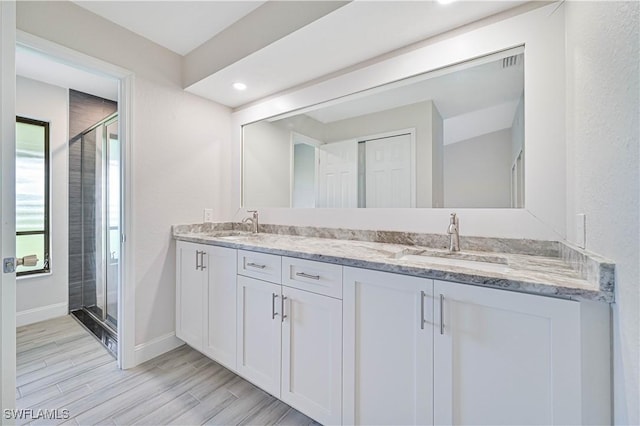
505 358
387 340
190 293
220 332
259 338
312 355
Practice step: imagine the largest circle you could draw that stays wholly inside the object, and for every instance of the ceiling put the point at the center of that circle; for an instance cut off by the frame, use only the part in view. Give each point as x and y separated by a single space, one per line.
180 26
354 33
36 66
328 41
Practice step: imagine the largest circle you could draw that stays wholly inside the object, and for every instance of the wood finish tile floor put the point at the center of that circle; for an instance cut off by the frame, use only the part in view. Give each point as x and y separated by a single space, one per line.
61 366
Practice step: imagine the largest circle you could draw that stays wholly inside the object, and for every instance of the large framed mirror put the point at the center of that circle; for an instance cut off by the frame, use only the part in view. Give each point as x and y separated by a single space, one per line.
452 138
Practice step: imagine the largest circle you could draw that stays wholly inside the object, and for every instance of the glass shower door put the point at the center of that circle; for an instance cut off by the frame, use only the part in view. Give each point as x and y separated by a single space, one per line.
101 221
91 205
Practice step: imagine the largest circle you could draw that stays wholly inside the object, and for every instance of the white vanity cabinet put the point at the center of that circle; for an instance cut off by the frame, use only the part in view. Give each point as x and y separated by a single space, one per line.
191 289
220 315
259 334
505 358
347 345
312 339
388 347
418 351
206 300
289 339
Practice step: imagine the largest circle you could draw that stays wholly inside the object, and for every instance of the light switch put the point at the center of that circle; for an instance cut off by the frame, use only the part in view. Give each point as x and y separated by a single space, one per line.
208 215
581 230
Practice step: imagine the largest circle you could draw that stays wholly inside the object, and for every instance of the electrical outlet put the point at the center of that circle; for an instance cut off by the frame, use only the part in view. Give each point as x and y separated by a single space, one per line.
581 230
208 215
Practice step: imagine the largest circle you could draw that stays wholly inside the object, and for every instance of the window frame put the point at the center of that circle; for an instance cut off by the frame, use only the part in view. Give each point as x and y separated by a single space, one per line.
46 268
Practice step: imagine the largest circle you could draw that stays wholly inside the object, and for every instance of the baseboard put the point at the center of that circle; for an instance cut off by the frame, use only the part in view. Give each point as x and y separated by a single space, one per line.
42 313
151 349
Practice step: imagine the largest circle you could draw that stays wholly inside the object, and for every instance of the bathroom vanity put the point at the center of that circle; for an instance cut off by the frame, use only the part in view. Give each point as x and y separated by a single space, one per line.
388 328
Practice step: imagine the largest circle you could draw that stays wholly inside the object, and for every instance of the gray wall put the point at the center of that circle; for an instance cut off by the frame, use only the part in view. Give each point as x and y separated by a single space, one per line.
477 171
84 111
437 146
267 165
304 176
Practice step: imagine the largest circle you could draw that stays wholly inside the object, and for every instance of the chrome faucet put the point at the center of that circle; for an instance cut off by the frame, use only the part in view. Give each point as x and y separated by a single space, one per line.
454 233
253 220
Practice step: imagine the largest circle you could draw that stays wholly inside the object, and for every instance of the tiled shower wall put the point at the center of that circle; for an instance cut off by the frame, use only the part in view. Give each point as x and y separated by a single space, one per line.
84 111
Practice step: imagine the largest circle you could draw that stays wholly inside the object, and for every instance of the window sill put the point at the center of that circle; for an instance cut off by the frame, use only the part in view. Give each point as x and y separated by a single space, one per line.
34 276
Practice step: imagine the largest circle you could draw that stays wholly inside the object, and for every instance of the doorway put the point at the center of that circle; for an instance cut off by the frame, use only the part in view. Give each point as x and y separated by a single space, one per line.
116 305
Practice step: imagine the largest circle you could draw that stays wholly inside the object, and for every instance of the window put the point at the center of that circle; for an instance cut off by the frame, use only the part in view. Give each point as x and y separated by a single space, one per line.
32 193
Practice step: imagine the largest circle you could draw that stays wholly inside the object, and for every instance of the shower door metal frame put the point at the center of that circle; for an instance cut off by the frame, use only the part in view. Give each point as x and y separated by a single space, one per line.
106 149
102 137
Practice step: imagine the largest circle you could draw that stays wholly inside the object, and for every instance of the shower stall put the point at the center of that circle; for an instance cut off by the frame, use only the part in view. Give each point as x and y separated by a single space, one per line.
94 229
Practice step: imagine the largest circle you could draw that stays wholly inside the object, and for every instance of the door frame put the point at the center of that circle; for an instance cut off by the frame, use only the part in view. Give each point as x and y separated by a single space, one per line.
7 206
126 290
315 143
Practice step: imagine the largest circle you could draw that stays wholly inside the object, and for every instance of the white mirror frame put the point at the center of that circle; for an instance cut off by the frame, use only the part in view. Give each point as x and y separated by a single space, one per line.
542 33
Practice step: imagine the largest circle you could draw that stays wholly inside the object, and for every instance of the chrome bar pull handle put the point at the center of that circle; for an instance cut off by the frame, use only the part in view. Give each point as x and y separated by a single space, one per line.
256 265
283 315
197 264
273 305
303 275
202 267
422 296
441 314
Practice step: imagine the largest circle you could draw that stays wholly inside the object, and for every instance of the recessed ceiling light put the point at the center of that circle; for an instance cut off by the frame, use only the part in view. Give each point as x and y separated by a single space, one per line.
446 1
239 86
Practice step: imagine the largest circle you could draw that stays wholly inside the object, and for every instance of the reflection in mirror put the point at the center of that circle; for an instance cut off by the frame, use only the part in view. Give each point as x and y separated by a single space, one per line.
453 137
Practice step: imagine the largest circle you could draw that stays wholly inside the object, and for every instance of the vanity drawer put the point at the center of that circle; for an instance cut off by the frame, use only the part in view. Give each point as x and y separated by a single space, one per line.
262 266
316 277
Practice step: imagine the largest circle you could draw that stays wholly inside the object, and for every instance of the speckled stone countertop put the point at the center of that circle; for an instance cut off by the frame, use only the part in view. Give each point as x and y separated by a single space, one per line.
539 267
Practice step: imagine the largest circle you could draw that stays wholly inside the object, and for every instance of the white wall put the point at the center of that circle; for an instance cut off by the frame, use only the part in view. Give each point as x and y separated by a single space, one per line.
44 296
602 133
267 165
180 158
477 171
180 148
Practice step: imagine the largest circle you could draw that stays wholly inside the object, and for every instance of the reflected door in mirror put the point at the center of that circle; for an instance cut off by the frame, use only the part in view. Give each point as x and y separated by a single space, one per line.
338 175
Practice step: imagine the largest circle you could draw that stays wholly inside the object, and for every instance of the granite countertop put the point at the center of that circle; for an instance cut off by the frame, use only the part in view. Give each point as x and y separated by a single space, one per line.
563 272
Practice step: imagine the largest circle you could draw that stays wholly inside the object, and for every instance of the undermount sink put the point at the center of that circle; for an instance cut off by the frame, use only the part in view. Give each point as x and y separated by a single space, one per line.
481 262
233 235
